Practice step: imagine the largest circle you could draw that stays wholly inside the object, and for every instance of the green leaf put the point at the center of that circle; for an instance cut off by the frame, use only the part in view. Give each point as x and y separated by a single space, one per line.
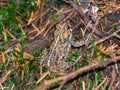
22 37
55 17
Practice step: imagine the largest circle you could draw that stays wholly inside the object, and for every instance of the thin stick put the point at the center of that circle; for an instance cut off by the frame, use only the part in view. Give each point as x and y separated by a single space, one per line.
79 71
106 38
99 41
64 81
101 84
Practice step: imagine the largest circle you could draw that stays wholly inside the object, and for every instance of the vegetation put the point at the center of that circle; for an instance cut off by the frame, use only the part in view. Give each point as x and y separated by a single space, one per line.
59 44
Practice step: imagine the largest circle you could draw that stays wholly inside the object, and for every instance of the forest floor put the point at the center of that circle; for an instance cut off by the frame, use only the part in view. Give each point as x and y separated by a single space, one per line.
60 45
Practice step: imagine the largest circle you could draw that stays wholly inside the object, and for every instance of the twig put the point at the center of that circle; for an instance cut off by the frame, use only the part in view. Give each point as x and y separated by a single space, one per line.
116 85
86 43
106 84
5 77
72 75
82 15
43 76
83 84
78 9
112 80
101 84
69 16
64 81
106 38
100 41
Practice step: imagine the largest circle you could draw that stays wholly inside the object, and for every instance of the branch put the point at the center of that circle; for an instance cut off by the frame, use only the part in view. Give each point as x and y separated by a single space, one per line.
72 75
82 15
81 43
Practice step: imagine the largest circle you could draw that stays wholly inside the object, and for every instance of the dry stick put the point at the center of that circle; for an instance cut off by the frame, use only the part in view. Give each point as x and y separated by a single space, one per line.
107 37
106 84
64 11
117 36
86 44
2 80
61 21
8 32
101 84
116 85
79 10
2 3
70 15
100 41
43 76
72 75
113 24
48 30
112 80
83 84
64 81
82 15
84 31
93 30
